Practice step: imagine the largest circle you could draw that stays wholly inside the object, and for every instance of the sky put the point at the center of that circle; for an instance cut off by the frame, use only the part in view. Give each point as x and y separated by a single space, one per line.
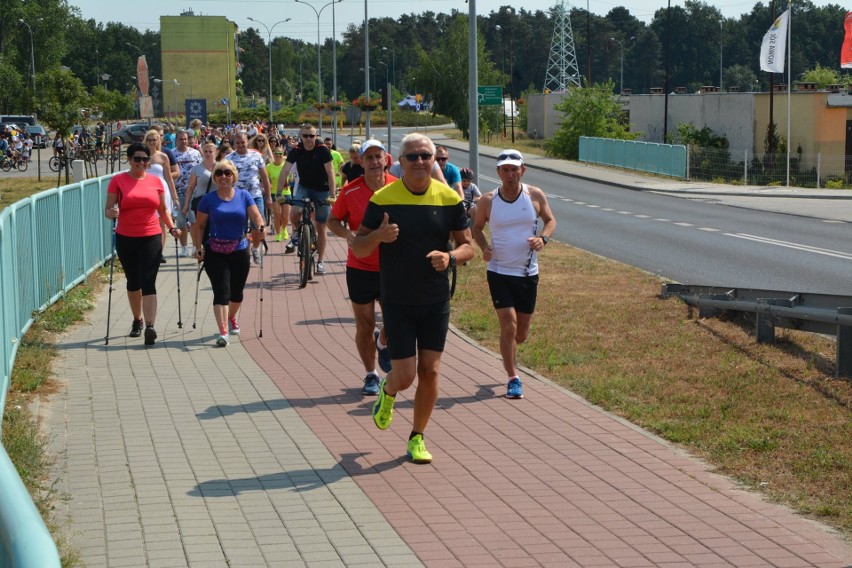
303 23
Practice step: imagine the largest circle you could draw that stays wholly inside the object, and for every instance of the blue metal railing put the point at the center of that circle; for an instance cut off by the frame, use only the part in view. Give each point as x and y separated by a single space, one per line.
72 238
663 159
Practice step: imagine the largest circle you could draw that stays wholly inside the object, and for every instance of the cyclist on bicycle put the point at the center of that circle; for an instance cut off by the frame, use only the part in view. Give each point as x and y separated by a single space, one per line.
362 274
316 181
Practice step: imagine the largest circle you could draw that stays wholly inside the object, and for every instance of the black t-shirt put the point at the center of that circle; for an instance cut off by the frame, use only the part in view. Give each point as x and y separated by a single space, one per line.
352 171
311 165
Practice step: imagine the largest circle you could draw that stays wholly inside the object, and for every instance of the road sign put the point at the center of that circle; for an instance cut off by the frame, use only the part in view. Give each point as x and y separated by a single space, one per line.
490 95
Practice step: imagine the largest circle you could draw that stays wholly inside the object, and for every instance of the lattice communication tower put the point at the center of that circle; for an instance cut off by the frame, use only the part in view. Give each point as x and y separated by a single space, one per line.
562 70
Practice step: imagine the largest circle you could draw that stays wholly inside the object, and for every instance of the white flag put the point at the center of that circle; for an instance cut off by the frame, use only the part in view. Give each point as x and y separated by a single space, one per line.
774 46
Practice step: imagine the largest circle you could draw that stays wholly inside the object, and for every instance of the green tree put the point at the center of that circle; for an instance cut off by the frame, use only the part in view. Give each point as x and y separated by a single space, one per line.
11 87
60 100
449 86
589 111
740 76
822 76
113 105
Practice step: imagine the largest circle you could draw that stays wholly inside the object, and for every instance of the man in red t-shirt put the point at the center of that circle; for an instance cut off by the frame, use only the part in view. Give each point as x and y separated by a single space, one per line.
362 274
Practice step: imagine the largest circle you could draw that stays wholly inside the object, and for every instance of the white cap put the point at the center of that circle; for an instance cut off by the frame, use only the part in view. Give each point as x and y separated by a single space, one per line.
372 143
511 157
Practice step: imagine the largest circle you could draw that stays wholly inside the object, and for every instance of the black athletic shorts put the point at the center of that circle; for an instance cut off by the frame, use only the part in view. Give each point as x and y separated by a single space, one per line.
410 328
517 292
363 285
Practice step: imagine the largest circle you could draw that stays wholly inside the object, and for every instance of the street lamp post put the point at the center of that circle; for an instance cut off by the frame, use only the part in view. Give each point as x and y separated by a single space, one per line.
319 58
721 42
393 64
499 28
269 42
621 79
32 52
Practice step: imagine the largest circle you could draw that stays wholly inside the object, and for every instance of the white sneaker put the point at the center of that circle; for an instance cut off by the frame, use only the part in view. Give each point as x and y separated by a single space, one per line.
255 255
320 268
222 340
184 251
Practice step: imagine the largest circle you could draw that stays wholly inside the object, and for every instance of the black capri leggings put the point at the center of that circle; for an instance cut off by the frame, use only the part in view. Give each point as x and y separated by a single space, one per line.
228 274
140 259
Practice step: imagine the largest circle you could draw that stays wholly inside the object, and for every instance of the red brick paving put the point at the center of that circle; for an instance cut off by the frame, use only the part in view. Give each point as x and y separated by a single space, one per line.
545 481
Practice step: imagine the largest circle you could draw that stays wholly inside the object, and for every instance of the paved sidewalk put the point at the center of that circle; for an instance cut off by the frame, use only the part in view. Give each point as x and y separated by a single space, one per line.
264 454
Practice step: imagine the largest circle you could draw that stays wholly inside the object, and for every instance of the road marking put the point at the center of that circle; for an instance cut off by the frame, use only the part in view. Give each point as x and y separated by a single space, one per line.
709 229
664 220
684 224
795 246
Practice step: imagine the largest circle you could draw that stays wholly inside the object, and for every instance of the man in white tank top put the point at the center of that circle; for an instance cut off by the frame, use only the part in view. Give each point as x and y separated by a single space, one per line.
512 212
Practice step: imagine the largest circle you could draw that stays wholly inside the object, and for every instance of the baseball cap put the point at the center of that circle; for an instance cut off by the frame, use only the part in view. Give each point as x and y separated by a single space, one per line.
372 143
511 157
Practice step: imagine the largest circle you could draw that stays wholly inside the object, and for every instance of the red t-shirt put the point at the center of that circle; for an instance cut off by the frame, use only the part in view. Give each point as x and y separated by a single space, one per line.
350 205
138 200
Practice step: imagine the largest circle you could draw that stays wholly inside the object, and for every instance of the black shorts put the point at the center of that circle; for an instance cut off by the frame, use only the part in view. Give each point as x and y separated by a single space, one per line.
410 328
517 292
364 286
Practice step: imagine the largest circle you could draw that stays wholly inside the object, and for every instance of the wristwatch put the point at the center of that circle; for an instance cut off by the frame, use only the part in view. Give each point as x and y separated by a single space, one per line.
544 239
452 260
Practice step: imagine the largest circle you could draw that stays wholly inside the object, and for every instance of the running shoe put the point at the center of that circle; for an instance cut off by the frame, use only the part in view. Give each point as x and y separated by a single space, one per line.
292 245
150 335
514 389
222 340
371 385
255 255
284 234
136 329
384 354
233 326
417 450
383 408
184 251
320 268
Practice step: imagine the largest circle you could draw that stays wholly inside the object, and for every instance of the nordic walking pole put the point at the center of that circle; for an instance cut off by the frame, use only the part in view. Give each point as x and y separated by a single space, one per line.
262 257
197 282
177 272
111 272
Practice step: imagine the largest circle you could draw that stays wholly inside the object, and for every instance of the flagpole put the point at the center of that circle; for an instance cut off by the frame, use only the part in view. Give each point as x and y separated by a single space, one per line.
789 82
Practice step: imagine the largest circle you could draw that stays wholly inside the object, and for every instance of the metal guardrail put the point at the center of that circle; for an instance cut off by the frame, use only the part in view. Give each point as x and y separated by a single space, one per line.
49 243
663 159
816 313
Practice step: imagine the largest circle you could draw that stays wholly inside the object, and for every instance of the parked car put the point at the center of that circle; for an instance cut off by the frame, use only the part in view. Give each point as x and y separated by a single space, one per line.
38 134
132 132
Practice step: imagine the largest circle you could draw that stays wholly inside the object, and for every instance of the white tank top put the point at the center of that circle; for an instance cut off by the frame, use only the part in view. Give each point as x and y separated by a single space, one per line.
512 223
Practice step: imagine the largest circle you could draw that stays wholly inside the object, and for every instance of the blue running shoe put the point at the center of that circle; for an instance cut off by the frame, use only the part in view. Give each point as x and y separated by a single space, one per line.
371 385
384 354
514 389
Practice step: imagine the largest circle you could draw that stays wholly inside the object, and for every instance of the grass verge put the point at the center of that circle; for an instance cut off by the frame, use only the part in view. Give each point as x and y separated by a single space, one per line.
31 378
770 416
15 189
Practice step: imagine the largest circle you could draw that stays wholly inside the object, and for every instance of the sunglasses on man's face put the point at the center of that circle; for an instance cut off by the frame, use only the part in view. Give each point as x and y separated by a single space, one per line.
425 156
441 159
309 136
226 173
141 159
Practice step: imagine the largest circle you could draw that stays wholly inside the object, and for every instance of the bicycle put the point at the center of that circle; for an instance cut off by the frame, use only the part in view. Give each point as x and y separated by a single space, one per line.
307 237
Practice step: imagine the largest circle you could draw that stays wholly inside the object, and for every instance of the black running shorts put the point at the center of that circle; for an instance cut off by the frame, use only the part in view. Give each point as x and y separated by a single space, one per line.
364 285
517 292
411 328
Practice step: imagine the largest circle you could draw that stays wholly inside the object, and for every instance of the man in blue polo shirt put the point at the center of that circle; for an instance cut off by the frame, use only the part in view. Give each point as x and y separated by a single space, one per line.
451 173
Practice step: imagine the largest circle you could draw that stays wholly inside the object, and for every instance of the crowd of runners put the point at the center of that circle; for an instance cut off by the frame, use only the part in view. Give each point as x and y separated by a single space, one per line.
408 224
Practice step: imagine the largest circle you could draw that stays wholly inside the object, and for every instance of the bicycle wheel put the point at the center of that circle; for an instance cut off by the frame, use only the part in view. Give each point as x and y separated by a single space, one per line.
22 165
53 164
305 255
6 165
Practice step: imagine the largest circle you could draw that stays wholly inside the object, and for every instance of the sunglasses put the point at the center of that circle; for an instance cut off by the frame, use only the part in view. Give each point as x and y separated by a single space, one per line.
309 135
141 159
511 156
425 156
441 159
226 173
278 153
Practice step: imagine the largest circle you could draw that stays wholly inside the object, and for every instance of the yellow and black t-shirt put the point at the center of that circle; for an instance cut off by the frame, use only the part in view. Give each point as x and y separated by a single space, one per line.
425 222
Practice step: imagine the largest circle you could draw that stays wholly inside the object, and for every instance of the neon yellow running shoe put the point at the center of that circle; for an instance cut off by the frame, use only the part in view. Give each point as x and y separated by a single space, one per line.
285 236
417 450
383 408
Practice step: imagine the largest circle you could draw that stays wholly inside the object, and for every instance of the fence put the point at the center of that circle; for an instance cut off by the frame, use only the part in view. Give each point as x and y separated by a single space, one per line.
806 170
663 159
49 243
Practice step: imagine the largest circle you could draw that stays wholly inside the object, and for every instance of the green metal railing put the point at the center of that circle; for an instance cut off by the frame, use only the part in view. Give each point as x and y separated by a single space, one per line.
663 159
49 243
